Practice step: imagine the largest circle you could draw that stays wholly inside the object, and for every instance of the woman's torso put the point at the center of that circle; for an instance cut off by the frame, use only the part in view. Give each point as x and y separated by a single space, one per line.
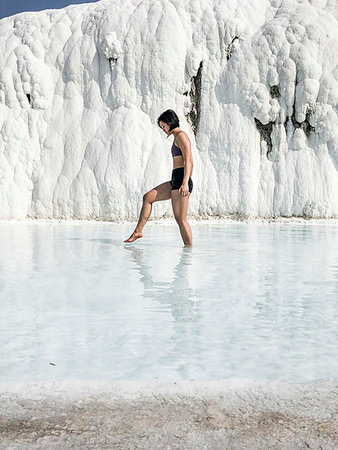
178 160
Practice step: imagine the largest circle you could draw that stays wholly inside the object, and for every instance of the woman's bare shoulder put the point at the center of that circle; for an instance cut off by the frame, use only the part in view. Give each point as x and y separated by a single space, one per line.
182 137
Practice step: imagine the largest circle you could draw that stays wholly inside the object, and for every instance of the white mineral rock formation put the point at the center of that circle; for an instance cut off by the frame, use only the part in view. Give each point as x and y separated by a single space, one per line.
255 85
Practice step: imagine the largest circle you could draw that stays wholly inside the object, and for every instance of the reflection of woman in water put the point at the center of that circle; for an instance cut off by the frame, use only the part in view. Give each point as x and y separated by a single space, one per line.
179 188
183 301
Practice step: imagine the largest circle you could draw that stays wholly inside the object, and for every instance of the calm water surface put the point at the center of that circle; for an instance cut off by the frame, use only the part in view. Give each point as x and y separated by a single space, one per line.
258 301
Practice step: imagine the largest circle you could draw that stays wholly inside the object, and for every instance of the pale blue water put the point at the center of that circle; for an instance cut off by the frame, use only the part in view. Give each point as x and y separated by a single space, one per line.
258 301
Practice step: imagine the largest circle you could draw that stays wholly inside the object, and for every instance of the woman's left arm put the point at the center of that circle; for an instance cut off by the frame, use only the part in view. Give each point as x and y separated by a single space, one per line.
185 146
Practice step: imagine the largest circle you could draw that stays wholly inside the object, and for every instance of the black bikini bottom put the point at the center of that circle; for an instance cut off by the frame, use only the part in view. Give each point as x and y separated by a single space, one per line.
177 179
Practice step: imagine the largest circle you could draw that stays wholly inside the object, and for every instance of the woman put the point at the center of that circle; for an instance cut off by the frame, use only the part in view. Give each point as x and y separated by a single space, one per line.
180 186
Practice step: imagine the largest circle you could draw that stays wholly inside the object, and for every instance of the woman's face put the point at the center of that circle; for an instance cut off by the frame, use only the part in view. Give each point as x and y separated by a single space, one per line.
165 127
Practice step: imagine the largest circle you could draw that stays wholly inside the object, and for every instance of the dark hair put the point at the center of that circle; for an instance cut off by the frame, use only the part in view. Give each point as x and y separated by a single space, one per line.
169 117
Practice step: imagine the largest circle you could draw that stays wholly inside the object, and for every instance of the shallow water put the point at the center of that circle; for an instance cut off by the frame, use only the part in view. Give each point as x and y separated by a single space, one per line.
258 301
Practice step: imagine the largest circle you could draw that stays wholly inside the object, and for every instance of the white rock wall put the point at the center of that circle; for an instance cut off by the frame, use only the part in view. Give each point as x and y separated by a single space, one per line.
81 89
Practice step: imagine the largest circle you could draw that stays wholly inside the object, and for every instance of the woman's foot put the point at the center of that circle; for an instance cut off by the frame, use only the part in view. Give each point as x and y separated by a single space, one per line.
134 236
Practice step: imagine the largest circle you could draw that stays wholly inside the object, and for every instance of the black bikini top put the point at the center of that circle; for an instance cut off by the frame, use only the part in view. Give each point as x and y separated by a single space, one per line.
176 151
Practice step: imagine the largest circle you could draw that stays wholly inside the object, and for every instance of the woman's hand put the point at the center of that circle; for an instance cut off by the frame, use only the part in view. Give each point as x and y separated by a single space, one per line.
184 189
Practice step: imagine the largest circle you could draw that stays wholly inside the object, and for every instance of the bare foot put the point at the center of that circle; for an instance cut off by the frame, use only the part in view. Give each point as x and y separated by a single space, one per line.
134 236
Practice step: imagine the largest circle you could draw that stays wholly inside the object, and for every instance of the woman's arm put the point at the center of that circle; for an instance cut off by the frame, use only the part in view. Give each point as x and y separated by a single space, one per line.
185 146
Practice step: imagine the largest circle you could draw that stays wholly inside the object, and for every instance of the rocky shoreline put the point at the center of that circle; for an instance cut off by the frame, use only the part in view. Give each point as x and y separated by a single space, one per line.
190 415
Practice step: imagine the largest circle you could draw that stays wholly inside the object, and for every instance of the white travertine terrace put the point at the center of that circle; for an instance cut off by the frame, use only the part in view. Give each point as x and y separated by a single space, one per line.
81 89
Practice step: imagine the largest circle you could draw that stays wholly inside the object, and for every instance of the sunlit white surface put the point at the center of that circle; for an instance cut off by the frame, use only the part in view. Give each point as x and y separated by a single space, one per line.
81 89
257 301
18 6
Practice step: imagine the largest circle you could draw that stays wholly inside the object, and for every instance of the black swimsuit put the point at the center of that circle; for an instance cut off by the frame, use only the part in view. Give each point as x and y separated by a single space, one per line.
176 181
178 174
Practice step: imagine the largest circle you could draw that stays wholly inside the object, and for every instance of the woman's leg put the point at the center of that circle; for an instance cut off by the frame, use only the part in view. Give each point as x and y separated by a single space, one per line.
159 193
180 209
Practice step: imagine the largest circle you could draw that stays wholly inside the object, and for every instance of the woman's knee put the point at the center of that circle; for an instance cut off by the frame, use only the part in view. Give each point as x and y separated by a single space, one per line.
148 197
181 221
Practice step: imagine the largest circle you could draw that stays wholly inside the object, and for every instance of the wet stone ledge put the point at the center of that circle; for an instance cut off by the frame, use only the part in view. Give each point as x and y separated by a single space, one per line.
176 415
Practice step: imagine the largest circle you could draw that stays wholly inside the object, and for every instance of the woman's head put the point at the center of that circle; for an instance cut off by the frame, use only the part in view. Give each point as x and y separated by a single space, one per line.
169 118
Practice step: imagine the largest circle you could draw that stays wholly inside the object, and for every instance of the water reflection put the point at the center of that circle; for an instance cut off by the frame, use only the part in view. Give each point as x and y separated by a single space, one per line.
183 310
253 301
170 292
175 296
